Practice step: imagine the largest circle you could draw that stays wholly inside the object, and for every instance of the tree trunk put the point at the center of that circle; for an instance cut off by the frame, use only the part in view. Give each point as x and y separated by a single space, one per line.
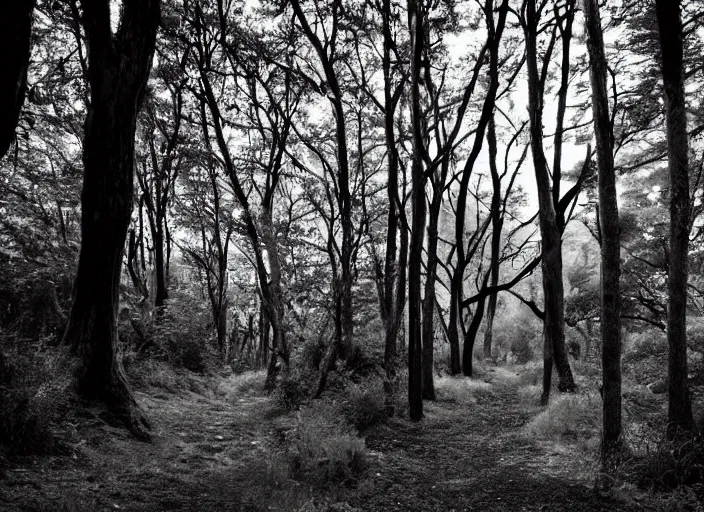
610 242
16 36
470 337
495 32
117 80
161 293
453 335
429 295
276 299
221 329
496 227
415 363
671 41
553 291
394 270
547 367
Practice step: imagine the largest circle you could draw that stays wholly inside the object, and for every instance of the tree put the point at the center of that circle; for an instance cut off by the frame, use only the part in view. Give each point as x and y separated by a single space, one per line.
326 51
416 28
550 223
15 35
161 126
679 411
118 68
609 230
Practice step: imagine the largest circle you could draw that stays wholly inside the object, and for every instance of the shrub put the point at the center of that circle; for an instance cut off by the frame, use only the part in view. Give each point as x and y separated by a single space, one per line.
672 464
569 416
519 332
293 390
521 349
182 335
32 400
322 450
459 389
365 406
237 385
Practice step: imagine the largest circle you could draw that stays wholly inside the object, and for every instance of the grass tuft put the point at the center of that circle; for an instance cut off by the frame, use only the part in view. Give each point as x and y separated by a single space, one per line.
575 416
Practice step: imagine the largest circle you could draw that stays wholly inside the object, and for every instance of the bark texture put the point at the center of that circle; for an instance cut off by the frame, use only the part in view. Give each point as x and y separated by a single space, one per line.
119 67
671 41
609 228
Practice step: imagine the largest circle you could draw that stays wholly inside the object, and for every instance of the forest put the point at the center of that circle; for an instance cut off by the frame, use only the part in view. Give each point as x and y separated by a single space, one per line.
352 255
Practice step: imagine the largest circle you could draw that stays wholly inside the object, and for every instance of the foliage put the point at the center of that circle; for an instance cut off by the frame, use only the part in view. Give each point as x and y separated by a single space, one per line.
519 333
323 450
33 398
670 464
182 334
364 406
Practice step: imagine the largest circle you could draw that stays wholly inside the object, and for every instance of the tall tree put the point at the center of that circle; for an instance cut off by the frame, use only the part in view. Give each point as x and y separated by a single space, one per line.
119 65
15 33
671 42
550 223
326 46
416 21
610 240
16 36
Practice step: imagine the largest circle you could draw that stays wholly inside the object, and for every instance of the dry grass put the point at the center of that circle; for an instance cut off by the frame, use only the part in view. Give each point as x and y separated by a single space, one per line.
322 450
572 416
237 385
459 389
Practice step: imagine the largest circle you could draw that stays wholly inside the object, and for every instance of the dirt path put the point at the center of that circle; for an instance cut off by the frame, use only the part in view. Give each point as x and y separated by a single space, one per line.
207 454
210 454
475 456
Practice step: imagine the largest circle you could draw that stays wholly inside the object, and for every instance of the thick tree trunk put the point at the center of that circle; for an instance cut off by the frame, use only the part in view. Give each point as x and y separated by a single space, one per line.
117 80
671 41
610 243
553 291
15 36
415 363
496 227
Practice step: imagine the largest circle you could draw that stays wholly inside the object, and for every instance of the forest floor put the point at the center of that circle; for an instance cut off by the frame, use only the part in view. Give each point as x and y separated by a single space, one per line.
213 451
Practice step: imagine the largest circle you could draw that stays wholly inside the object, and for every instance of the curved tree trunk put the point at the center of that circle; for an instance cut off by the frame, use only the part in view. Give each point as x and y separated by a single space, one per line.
670 26
15 36
117 79
496 227
551 238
